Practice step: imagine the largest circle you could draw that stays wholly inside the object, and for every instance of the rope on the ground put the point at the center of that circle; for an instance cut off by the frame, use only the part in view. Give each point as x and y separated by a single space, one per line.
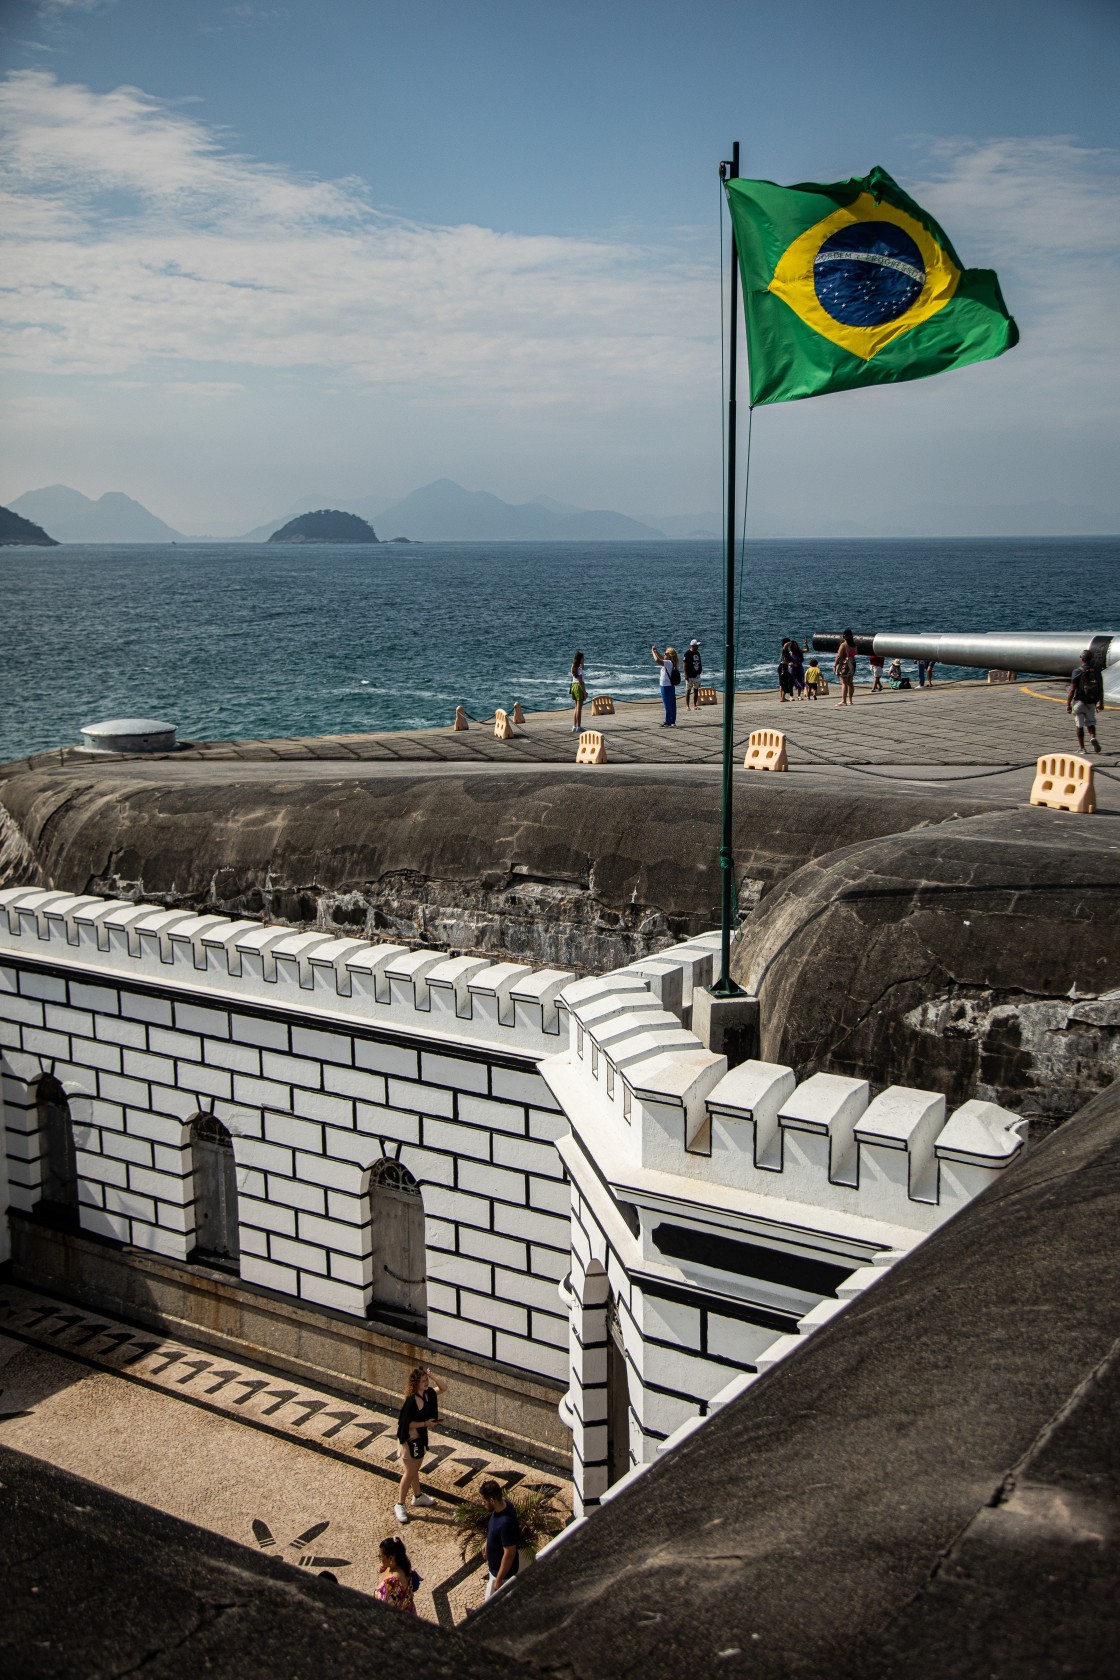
918 781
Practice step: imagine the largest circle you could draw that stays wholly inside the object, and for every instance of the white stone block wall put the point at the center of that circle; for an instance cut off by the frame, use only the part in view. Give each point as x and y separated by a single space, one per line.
723 1216
348 1054
677 1181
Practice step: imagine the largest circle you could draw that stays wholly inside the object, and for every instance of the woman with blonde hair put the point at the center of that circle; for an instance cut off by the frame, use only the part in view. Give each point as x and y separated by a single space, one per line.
420 1409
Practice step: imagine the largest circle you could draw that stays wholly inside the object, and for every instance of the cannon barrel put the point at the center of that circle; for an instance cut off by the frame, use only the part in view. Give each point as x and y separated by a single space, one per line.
1051 653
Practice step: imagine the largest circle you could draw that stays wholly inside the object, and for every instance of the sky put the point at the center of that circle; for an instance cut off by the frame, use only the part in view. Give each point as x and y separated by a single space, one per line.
265 254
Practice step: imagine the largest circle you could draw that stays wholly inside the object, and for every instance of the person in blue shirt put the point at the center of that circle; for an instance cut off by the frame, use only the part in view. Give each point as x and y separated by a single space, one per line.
503 1537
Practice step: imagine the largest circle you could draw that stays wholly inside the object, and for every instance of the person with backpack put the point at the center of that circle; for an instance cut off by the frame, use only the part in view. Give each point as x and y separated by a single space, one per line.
1085 698
670 681
693 665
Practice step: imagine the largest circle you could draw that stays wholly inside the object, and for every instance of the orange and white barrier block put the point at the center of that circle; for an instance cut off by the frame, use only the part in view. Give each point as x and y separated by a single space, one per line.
1064 782
766 750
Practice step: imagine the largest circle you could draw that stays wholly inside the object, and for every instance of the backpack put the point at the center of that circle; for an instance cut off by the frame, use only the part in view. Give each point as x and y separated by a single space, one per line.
674 676
1090 689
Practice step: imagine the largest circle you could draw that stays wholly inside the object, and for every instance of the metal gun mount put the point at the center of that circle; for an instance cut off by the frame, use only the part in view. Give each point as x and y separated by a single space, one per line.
1051 653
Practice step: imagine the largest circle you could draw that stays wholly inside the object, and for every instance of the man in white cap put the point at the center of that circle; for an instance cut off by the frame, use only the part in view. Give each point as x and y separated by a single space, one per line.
693 665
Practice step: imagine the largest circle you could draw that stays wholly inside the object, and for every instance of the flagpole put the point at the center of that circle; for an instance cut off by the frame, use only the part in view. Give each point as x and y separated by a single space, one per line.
725 986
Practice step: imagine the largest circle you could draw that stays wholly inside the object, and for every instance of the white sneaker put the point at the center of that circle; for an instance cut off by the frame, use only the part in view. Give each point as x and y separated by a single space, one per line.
400 1513
422 1499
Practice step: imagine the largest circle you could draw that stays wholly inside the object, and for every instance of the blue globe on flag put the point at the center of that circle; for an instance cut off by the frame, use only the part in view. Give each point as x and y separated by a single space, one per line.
867 274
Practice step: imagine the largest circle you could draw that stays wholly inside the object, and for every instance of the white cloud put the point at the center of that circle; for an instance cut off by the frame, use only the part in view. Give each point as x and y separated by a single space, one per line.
143 239
1045 213
146 254
52 8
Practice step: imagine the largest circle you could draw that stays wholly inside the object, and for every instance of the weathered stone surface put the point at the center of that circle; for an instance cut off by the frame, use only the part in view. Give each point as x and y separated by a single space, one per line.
979 958
929 1487
582 869
99 1586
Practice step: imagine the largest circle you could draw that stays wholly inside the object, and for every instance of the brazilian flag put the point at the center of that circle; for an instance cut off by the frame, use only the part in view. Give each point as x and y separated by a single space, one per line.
855 284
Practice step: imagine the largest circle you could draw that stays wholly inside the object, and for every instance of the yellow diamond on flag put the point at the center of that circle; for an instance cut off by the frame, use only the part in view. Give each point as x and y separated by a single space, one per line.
865 275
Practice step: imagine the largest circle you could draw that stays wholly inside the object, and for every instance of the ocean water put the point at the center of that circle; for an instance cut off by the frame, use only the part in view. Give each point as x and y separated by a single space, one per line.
229 640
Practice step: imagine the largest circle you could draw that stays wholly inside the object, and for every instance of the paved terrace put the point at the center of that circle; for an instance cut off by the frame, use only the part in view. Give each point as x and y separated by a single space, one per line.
967 737
273 1463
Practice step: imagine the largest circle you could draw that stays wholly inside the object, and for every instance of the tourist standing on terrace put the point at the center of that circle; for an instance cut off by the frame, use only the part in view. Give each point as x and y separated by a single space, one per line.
670 677
421 1408
693 665
578 691
785 674
845 667
875 660
797 667
1086 694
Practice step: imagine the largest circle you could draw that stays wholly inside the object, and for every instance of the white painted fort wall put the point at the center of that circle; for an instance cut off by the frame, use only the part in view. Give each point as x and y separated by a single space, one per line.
605 1203
321 1057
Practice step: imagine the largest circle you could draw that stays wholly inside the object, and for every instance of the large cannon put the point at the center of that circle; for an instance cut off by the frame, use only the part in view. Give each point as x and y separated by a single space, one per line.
1050 653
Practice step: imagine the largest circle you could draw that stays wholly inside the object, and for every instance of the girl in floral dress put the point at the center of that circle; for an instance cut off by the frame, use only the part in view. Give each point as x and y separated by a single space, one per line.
394 1584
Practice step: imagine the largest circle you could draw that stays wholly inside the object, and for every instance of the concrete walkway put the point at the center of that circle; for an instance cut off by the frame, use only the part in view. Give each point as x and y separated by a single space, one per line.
967 738
267 1461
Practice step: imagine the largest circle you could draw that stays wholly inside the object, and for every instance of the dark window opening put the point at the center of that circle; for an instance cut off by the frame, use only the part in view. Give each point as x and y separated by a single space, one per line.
768 1265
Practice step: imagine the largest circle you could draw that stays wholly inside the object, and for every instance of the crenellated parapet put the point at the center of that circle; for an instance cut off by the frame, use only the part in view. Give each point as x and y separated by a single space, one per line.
643 1091
462 999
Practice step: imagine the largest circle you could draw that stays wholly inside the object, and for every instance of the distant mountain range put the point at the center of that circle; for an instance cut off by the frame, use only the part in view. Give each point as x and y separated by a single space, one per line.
444 512
71 517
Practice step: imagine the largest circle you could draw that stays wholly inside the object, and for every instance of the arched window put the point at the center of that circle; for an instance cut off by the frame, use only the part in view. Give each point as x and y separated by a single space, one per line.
215 1192
399 1256
59 1199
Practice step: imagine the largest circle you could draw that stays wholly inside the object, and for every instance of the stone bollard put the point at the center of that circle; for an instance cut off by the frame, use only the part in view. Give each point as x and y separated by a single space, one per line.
503 729
518 714
461 718
592 748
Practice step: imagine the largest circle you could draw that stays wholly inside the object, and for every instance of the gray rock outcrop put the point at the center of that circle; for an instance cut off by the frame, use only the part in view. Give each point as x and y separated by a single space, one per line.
979 958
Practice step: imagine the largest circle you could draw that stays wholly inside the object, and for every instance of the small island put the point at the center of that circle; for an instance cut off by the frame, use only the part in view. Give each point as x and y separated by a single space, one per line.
17 532
328 525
